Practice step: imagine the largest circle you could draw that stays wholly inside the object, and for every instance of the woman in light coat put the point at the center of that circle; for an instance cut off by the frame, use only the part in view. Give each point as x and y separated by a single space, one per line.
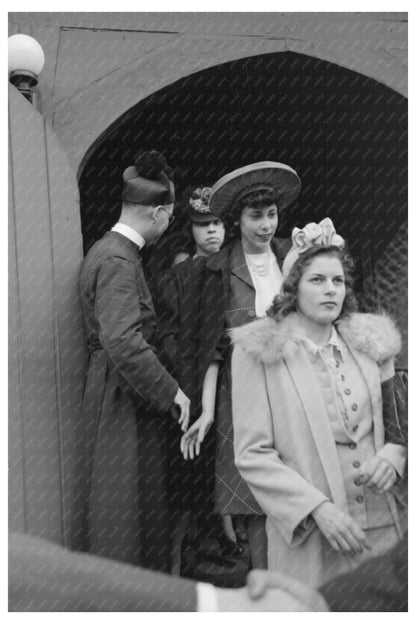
308 416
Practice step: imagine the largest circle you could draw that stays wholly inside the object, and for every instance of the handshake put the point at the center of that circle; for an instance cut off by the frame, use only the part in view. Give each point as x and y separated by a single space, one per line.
270 591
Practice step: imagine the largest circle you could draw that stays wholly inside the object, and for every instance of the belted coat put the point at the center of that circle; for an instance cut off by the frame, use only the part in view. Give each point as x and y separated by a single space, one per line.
125 407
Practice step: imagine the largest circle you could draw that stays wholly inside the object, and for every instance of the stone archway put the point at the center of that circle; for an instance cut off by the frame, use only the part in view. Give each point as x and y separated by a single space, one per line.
345 133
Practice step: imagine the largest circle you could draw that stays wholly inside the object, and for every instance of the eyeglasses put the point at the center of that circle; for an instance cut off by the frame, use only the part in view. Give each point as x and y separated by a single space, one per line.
171 216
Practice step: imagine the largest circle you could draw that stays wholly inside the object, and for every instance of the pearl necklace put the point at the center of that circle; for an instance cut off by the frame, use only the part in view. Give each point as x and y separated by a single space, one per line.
262 268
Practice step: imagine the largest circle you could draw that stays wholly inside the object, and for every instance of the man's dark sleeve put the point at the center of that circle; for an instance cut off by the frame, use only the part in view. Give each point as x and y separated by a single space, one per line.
167 311
394 397
46 577
379 584
117 309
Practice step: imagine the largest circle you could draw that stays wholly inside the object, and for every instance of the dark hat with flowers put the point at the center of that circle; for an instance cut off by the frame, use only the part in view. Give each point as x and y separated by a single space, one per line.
198 205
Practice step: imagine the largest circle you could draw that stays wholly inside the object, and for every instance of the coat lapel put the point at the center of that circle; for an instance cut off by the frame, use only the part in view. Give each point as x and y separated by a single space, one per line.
238 265
315 411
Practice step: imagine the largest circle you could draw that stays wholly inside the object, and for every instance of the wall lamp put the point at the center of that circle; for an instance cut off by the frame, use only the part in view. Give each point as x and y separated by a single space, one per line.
26 61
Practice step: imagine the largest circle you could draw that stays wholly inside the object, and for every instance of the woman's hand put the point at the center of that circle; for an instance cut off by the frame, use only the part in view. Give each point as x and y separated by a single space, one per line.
191 441
378 473
342 532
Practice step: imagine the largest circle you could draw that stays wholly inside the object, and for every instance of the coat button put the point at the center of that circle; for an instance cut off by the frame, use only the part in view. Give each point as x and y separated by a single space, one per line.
355 428
357 481
352 445
347 391
252 313
342 377
354 407
359 498
356 463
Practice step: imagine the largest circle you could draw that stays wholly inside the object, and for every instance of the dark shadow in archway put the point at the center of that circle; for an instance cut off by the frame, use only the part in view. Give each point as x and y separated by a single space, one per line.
344 133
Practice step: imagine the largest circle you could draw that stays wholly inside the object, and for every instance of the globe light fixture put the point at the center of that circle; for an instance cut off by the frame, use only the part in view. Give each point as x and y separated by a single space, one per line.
26 61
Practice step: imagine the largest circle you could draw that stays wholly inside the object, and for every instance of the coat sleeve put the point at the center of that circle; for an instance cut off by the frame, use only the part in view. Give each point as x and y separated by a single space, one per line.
394 399
379 584
44 576
166 303
117 310
281 491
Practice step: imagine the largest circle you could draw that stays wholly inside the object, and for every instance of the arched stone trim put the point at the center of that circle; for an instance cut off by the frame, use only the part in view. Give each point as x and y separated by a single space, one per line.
81 119
99 65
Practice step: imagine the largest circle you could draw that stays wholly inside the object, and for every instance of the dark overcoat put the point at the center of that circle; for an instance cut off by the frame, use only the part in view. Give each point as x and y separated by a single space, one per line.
127 397
380 584
196 303
177 302
228 300
44 576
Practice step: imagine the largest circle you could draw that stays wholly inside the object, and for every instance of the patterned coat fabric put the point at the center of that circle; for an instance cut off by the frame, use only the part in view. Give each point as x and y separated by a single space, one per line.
228 300
284 444
125 407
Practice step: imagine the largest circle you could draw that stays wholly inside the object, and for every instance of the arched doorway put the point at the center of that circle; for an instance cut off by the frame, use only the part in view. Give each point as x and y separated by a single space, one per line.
345 134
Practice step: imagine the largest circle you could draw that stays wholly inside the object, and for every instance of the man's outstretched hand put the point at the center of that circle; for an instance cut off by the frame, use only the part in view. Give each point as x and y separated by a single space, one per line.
294 596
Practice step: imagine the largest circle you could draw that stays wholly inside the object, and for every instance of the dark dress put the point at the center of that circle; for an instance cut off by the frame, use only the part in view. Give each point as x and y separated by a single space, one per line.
177 304
127 397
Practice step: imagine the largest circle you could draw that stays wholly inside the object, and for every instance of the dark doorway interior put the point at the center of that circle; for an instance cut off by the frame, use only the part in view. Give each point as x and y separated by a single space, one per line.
344 133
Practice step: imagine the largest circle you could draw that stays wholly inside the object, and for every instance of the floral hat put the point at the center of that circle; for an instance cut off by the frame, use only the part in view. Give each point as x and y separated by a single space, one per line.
198 205
313 234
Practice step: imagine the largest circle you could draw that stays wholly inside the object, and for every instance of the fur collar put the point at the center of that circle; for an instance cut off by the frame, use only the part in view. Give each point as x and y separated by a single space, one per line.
268 341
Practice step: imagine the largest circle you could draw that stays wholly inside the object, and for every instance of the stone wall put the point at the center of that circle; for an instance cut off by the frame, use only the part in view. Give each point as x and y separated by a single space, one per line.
99 65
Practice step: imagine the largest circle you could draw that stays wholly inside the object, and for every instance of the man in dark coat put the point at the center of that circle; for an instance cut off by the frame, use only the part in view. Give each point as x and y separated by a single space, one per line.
128 392
45 577
379 584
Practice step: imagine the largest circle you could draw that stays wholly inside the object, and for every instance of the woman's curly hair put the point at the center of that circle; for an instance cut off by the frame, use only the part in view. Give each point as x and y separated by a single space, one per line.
286 302
253 199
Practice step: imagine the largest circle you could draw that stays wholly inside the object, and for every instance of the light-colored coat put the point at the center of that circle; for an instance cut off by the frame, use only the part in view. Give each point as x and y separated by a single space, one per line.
284 445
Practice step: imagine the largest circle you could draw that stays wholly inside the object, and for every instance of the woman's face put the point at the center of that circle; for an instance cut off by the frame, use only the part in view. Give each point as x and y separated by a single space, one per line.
321 290
258 226
208 236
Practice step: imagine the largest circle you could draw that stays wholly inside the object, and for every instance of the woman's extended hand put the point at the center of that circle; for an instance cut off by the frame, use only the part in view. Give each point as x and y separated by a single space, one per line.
191 441
378 473
342 532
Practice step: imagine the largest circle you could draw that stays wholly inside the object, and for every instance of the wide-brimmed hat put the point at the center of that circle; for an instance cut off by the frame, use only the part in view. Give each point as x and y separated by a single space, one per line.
261 176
